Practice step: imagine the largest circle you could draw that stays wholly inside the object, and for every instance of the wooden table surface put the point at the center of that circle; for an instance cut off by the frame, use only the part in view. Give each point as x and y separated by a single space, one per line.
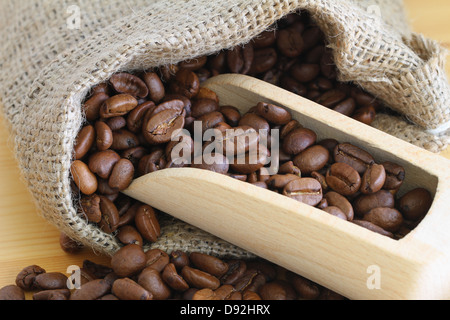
26 238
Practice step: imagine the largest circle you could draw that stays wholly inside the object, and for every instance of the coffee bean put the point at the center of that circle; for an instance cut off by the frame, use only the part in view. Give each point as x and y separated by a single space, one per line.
305 72
250 295
116 123
121 175
372 227
194 64
127 289
236 269
91 290
91 271
395 175
312 37
173 279
362 98
179 149
265 268
216 162
92 106
118 105
335 211
274 291
84 141
84 179
288 127
331 99
204 106
232 115
264 39
205 294
171 104
289 83
129 235
343 179
373 179
123 140
415 204
199 279
69 245
251 161
272 113
289 168
102 162
26 278
186 83
179 259
226 292
330 144
155 86
109 221
104 189
128 260
256 122
238 141
50 281
134 154
279 181
387 218
304 287
127 83
298 140
12 292
312 159
306 190
346 107
211 120
364 203
264 60
322 180
353 156
337 200
240 59
150 279
205 93
57 294
167 72
147 223
290 42
156 259
104 136
209 264
365 115
327 65
159 128
136 116
152 162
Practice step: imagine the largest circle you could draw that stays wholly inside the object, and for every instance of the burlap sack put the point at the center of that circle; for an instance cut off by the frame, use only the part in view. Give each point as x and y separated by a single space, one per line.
53 52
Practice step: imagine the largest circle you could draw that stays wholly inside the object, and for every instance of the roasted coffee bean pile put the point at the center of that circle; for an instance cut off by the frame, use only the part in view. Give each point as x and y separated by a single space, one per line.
156 275
293 55
130 122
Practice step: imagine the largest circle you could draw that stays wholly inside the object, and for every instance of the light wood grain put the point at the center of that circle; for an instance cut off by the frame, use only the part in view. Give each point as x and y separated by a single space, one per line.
26 238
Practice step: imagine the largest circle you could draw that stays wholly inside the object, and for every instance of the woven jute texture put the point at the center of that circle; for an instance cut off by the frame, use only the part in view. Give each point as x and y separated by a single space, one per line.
54 51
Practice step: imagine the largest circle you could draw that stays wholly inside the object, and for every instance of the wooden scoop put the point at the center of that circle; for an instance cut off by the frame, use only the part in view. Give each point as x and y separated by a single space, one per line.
346 258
